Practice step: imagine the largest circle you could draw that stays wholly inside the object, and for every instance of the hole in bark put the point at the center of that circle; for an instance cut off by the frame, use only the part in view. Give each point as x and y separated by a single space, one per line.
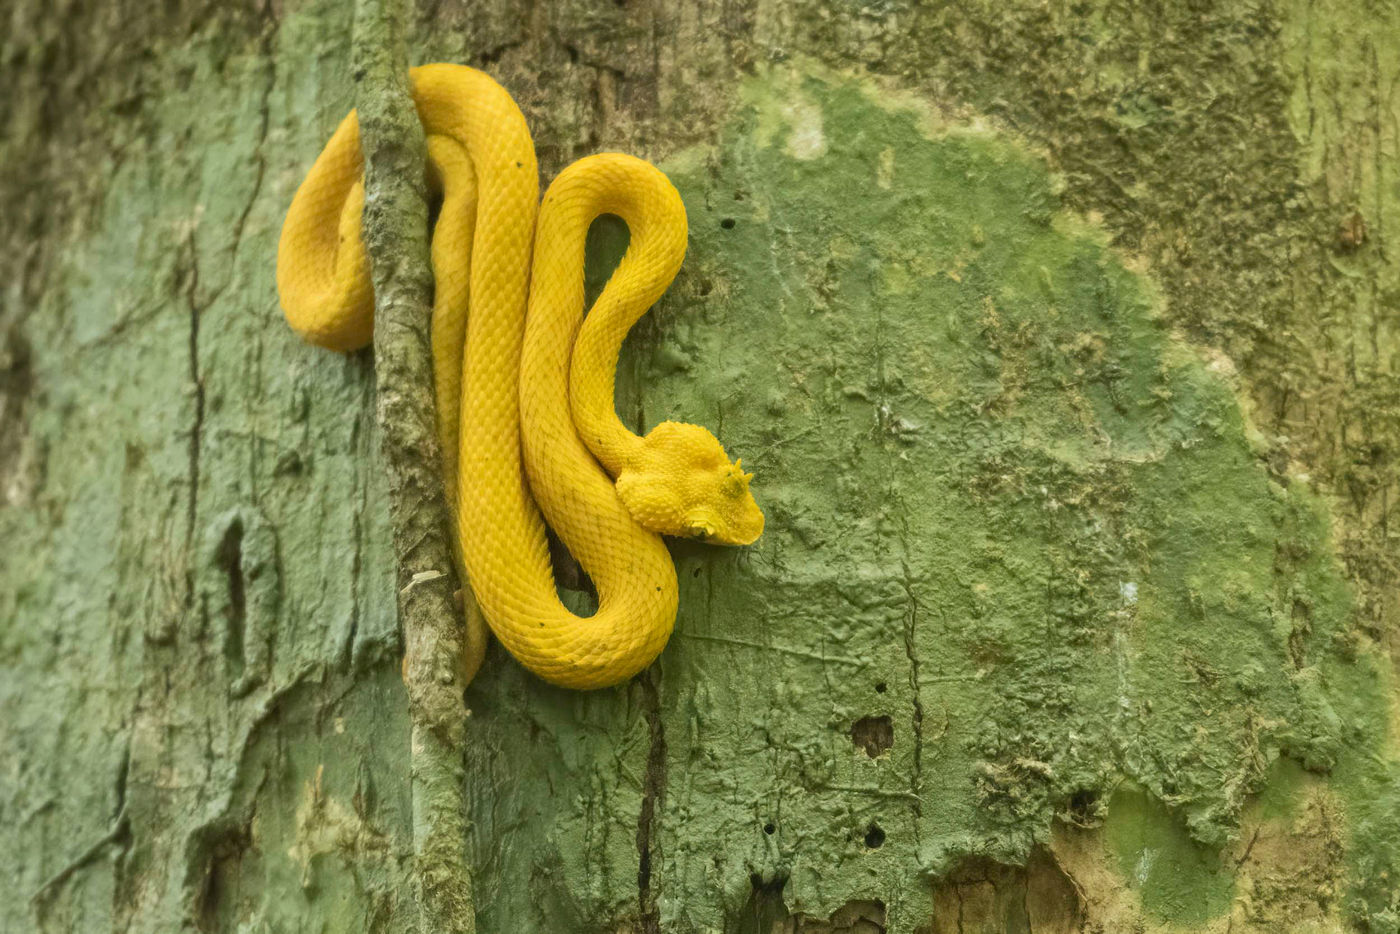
230 560
881 687
16 388
221 857
873 734
1084 808
874 836
770 828
727 223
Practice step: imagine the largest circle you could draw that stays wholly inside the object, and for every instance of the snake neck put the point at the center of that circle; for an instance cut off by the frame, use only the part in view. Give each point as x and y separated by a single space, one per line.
638 194
604 434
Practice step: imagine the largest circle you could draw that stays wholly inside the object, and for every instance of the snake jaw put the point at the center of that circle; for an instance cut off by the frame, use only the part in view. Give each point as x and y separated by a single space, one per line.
681 483
702 527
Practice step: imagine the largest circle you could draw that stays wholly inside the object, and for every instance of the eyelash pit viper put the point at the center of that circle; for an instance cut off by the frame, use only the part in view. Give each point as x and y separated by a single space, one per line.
524 382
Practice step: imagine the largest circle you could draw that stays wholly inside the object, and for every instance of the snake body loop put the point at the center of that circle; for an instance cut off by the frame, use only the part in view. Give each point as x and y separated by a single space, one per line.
524 382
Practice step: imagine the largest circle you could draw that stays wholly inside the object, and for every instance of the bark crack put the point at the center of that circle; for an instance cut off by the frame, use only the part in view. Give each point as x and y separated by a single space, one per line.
266 43
118 833
887 427
191 286
653 793
911 652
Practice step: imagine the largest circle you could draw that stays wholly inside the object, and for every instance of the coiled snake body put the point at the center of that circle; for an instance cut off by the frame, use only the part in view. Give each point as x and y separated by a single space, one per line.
524 382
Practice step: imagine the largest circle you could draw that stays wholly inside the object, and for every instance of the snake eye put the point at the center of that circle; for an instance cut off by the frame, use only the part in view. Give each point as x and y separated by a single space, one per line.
736 482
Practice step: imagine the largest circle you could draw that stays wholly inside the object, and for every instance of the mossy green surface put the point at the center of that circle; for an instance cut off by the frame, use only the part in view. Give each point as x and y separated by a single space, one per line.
1177 878
1008 509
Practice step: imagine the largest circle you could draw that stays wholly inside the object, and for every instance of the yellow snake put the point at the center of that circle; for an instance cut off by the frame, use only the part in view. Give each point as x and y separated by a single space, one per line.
524 382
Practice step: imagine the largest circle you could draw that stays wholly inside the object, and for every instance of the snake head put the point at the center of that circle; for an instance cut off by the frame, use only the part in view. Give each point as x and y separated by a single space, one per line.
681 483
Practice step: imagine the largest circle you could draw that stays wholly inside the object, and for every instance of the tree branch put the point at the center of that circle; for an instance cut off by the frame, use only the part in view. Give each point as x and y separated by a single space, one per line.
396 239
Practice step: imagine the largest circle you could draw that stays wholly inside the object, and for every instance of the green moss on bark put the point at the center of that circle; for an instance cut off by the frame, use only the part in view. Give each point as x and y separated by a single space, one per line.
1009 510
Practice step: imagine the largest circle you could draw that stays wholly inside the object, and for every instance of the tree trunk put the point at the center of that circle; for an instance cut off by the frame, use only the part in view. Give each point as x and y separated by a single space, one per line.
1062 339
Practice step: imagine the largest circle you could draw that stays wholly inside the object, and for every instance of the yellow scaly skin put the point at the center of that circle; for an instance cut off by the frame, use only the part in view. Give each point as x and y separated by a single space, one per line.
530 389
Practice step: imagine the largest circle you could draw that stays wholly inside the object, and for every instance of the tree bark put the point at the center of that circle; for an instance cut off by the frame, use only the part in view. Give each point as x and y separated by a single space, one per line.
1061 338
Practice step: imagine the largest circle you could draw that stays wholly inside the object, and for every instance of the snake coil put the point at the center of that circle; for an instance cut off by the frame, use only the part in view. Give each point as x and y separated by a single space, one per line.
524 382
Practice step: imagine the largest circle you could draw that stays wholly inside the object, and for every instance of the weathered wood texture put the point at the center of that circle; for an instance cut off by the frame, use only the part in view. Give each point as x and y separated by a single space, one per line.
1062 341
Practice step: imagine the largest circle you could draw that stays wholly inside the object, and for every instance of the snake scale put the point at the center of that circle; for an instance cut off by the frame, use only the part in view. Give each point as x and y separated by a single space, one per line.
524 382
